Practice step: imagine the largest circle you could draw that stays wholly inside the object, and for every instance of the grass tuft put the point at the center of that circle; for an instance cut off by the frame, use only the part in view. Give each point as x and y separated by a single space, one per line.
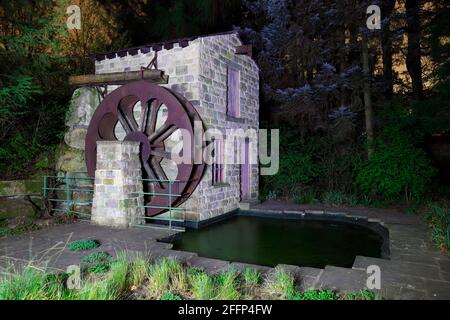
139 271
280 284
227 283
201 285
251 277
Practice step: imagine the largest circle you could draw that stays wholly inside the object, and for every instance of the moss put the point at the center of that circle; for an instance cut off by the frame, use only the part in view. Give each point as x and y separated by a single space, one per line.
33 186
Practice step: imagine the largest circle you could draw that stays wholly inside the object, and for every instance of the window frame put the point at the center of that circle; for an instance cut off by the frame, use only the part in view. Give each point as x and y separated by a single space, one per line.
233 105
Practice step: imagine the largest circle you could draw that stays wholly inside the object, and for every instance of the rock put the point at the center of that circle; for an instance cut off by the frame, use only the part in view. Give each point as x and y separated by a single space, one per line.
15 197
75 138
12 188
82 106
20 187
70 160
15 206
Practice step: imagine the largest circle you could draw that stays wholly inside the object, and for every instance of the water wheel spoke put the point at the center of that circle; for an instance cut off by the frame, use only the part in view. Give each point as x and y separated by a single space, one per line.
161 154
144 115
149 171
124 122
162 133
158 169
153 113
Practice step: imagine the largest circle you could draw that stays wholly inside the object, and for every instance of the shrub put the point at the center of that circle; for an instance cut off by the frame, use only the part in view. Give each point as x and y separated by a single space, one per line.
305 197
438 217
338 198
396 170
82 245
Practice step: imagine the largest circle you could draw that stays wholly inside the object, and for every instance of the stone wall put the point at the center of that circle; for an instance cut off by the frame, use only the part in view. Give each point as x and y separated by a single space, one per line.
20 198
117 179
198 72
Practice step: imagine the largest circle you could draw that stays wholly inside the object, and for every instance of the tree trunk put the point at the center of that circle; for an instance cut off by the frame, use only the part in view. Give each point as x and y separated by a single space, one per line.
386 44
367 98
413 63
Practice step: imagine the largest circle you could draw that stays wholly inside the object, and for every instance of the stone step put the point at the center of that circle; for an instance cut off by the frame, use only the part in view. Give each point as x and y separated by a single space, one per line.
181 256
240 266
343 280
399 267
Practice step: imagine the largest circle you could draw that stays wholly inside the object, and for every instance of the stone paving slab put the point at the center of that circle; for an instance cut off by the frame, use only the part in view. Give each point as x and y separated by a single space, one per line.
399 267
344 280
50 245
181 256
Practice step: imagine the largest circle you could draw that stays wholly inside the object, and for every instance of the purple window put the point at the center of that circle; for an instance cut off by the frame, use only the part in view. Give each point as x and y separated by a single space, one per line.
233 99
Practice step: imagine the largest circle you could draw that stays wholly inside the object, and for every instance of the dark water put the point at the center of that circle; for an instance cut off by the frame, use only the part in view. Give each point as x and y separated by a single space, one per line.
270 241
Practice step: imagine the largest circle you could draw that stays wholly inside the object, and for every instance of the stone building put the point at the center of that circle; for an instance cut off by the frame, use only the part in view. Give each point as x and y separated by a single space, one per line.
220 79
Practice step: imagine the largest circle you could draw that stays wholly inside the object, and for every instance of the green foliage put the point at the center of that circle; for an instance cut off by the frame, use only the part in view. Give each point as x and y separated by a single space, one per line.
280 284
296 167
167 280
227 283
338 198
438 217
139 271
33 93
202 286
316 295
117 280
251 277
22 227
397 169
166 274
82 245
305 197
361 295
98 262
168 295
33 283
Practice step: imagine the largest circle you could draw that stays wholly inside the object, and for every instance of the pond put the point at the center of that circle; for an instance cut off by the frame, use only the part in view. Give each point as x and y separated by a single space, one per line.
270 241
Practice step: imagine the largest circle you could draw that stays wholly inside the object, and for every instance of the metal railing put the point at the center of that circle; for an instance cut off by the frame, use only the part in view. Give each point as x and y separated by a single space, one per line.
61 194
170 209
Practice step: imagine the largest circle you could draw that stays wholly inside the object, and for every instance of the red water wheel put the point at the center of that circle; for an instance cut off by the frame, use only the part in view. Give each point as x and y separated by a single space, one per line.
152 115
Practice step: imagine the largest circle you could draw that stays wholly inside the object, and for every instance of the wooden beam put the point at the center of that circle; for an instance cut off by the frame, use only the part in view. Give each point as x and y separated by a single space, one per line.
153 76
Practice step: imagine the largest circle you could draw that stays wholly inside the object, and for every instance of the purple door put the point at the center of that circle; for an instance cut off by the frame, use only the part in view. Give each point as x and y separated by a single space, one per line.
245 172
